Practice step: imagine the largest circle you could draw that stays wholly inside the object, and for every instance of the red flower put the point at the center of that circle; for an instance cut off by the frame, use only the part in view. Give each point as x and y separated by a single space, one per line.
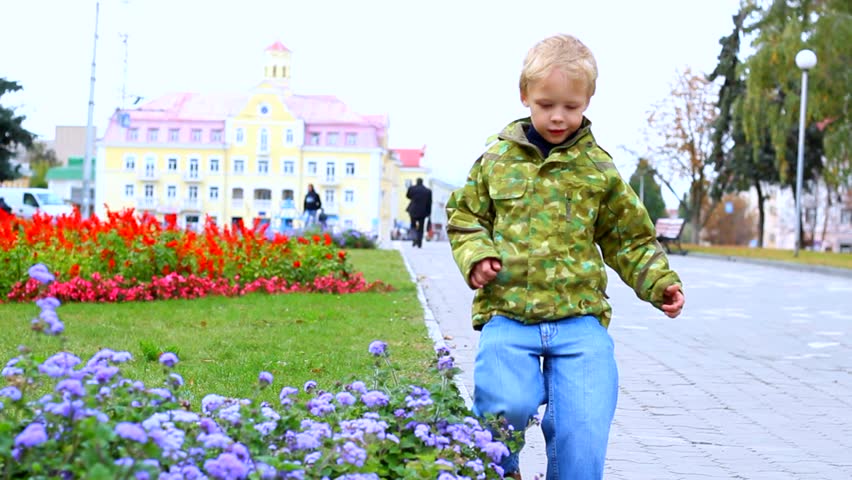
329 256
74 270
297 264
341 254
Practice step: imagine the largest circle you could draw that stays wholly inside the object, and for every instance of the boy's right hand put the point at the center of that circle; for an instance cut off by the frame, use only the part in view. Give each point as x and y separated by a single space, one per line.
484 271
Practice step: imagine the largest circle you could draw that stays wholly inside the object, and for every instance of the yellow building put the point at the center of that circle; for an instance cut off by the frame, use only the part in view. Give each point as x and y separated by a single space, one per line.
410 169
249 156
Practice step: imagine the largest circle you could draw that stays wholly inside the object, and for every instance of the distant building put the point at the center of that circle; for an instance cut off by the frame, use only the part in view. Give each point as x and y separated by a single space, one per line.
67 181
246 156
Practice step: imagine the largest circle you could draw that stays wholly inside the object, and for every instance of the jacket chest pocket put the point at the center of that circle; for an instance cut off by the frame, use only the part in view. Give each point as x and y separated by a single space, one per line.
507 196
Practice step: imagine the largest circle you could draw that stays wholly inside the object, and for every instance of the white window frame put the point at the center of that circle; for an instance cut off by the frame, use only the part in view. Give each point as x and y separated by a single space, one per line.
129 190
349 196
242 164
149 190
174 134
263 140
171 189
172 167
350 172
262 167
214 164
351 139
332 138
288 136
213 192
195 135
129 163
288 167
240 136
312 168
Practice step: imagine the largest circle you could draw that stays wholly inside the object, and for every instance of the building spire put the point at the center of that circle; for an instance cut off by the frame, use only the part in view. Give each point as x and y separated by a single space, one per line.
278 67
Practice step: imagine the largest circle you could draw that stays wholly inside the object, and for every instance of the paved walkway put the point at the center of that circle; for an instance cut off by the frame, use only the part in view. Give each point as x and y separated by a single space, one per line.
753 381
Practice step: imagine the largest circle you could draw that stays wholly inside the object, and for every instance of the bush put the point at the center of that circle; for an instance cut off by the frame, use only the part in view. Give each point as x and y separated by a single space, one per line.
354 239
61 417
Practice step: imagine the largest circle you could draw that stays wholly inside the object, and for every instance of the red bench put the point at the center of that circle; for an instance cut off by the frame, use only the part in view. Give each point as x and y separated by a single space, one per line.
668 233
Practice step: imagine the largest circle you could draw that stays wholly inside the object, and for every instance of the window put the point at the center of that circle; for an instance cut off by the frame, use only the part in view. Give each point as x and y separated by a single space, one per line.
240 136
239 166
128 191
810 215
331 138
351 139
312 168
216 135
150 166
193 192
149 191
329 198
174 134
263 167
315 138
214 193
132 134
349 196
214 165
196 135
153 133
171 191
288 137
289 167
193 168
264 140
130 163
172 164
846 216
329 171
350 169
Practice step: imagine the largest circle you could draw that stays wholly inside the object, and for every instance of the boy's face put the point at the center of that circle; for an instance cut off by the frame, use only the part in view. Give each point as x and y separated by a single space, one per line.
556 104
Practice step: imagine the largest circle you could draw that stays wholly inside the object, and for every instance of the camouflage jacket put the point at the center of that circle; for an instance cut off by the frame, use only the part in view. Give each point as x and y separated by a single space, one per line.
542 218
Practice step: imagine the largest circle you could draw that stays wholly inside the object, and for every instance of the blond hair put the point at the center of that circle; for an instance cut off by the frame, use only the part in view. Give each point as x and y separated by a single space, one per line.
564 52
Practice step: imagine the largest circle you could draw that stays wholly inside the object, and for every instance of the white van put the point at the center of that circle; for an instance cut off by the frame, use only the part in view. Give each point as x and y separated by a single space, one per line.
26 201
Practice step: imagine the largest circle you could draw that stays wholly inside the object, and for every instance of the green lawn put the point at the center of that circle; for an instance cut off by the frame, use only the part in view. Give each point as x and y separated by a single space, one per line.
224 343
830 259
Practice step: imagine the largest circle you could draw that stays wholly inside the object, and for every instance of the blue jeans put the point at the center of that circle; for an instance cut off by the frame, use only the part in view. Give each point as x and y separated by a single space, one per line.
577 379
310 217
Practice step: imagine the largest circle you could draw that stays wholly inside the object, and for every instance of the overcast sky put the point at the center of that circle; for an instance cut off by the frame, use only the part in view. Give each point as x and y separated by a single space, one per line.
446 72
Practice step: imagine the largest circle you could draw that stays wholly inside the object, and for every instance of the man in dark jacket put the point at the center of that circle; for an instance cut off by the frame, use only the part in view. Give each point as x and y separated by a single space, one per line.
419 209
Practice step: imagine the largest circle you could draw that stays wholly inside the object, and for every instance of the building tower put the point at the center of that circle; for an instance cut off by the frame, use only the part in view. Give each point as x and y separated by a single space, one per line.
277 68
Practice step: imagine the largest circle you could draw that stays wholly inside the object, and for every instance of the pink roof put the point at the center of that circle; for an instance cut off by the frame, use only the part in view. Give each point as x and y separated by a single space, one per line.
323 109
277 47
410 157
190 106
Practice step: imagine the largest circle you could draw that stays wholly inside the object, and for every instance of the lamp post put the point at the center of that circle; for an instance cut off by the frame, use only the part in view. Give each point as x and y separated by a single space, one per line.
90 129
805 60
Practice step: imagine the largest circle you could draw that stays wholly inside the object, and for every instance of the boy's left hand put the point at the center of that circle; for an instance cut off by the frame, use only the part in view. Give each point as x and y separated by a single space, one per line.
673 300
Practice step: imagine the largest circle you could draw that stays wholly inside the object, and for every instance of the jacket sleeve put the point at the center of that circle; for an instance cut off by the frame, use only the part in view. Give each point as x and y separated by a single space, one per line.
629 244
319 201
470 221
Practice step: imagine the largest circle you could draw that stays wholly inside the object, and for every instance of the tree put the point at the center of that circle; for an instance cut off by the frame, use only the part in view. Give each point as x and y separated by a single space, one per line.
734 227
645 185
12 133
683 124
41 160
755 136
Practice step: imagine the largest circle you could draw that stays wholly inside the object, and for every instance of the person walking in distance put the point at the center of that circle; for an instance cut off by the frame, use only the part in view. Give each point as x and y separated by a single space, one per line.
525 232
419 208
311 206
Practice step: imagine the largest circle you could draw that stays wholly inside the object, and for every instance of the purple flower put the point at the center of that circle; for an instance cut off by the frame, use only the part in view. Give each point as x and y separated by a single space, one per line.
312 458
131 431
378 348
169 359
105 374
309 385
265 378
211 402
374 399
59 365
40 272
48 303
496 451
445 363
11 392
357 386
226 466
442 350
345 398
10 370
33 435
352 454
72 386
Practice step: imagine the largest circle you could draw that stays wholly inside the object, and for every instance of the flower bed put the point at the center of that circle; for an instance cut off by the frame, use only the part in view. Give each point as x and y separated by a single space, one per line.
129 256
66 418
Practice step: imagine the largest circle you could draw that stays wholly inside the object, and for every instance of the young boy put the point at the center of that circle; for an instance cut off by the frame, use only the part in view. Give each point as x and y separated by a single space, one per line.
525 231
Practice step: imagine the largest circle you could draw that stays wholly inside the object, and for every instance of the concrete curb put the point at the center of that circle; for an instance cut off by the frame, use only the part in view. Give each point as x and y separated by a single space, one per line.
432 325
839 272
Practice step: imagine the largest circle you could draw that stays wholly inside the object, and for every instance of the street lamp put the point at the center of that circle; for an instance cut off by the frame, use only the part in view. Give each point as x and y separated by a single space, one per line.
805 60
